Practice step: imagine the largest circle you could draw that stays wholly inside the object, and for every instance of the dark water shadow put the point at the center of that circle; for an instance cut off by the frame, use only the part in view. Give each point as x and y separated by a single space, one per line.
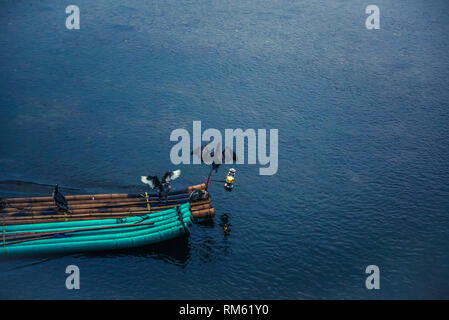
24 262
18 188
206 222
213 244
175 251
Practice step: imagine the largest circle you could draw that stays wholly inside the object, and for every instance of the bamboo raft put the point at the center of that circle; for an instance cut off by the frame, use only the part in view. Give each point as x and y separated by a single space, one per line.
97 221
16 211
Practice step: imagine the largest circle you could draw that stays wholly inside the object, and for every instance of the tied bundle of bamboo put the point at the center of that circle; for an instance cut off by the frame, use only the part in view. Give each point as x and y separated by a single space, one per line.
107 196
19 237
96 234
87 207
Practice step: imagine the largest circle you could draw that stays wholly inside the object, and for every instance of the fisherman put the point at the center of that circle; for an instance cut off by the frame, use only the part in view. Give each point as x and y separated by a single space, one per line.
230 179
198 195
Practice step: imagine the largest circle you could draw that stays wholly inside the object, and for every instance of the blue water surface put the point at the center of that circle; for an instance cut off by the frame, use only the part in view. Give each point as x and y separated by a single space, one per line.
363 120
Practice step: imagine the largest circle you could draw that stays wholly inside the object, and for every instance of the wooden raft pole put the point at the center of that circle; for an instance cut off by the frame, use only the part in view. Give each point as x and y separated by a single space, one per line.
51 211
98 196
200 209
204 213
74 208
140 211
99 202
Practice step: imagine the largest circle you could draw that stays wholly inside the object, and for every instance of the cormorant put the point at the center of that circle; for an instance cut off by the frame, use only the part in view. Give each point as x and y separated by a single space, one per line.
60 200
221 158
164 187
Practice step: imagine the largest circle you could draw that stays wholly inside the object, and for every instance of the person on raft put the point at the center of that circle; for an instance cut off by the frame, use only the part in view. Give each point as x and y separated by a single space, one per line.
199 195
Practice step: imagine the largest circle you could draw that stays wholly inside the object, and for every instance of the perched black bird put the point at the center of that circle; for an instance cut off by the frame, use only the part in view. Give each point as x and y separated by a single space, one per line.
204 153
164 187
60 200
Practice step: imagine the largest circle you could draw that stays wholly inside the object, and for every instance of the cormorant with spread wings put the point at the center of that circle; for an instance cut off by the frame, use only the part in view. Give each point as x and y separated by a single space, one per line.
164 185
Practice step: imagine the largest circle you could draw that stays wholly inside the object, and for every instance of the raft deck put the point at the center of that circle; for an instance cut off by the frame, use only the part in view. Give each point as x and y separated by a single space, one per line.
18 211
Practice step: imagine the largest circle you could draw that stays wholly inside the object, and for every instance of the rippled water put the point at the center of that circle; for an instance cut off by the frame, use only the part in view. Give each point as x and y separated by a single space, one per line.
363 141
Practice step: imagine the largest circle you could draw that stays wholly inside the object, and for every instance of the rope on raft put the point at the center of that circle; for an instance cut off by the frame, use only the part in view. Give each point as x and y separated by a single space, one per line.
180 218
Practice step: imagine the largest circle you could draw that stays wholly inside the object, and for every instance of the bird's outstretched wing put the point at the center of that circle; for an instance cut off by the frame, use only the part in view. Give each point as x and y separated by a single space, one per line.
207 155
152 181
228 153
200 151
171 175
